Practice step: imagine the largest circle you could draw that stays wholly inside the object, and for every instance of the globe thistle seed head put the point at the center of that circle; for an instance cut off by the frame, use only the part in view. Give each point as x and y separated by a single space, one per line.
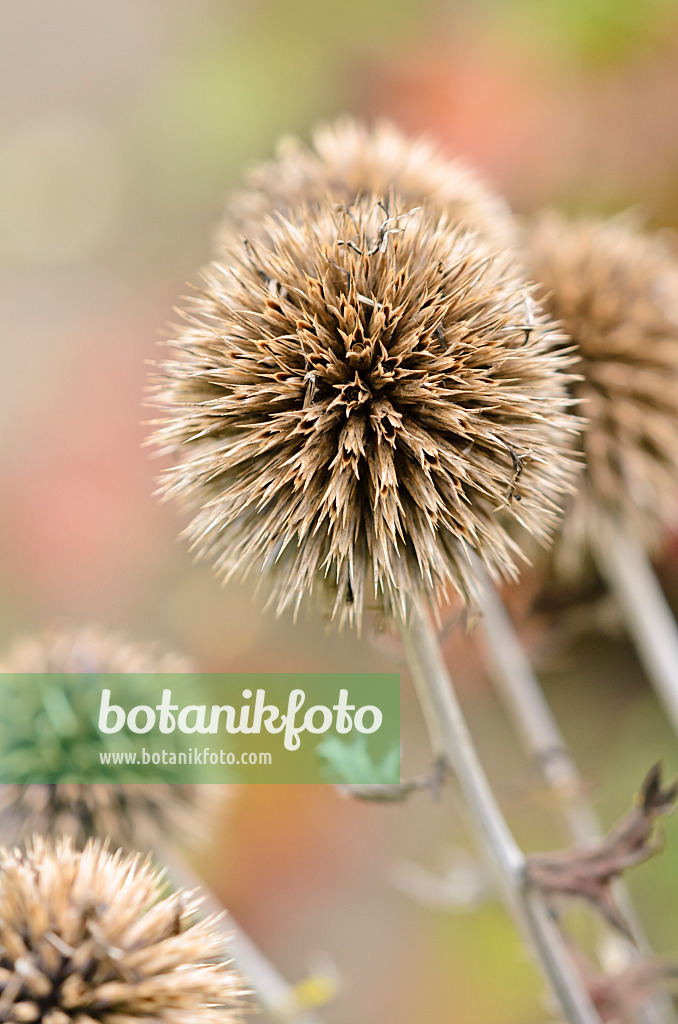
89 649
347 160
89 937
364 397
614 289
131 815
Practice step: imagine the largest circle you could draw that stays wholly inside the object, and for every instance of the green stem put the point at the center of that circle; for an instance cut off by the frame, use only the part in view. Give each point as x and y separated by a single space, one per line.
649 620
541 736
452 741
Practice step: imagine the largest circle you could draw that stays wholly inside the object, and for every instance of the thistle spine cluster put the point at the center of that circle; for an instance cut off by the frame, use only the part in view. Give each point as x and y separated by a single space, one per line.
360 398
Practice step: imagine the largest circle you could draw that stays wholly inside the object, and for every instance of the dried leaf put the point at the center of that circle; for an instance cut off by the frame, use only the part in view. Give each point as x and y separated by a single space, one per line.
588 872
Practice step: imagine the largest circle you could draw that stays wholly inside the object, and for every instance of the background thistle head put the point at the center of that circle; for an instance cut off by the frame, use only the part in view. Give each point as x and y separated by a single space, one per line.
63 712
364 395
613 289
90 937
348 160
89 649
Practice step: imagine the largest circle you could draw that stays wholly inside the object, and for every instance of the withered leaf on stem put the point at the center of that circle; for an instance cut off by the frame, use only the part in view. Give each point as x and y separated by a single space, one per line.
589 871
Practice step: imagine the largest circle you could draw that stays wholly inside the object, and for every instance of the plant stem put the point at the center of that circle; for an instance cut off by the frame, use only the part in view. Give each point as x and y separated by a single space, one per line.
530 712
526 705
273 991
649 620
452 741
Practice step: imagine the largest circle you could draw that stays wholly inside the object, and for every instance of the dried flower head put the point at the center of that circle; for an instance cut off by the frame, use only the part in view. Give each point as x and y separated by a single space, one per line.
347 160
365 395
131 815
89 937
89 649
614 291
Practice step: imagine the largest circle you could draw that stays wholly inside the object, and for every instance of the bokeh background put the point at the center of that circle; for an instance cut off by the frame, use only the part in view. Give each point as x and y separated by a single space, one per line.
122 125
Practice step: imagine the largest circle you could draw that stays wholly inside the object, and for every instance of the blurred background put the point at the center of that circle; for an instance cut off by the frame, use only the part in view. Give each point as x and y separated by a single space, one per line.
122 126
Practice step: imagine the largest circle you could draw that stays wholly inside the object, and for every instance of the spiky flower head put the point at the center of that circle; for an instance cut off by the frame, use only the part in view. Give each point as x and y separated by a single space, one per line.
89 649
614 291
89 937
64 712
364 395
348 160
130 815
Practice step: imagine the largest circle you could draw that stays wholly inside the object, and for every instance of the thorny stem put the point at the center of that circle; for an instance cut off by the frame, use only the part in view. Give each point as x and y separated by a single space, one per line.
649 619
452 741
274 993
527 706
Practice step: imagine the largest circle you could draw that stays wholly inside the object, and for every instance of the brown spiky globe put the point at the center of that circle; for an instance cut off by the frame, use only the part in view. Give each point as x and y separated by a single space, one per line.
347 160
89 649
90 937
364 397
132 816
613 289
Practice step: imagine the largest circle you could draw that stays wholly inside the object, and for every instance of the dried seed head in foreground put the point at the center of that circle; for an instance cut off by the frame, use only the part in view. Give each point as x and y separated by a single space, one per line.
133 816
87 937
347 160
614 291
365 397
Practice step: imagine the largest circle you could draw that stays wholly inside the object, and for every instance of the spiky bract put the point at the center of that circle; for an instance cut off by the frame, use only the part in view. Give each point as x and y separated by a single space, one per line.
63 712
89 937
348 160
614 290
365 397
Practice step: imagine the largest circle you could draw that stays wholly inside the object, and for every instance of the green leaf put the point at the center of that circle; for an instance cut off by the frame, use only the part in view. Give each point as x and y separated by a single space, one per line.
350 762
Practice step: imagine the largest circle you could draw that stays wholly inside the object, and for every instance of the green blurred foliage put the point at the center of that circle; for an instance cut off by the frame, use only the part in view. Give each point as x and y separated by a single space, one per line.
597 31
265 70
